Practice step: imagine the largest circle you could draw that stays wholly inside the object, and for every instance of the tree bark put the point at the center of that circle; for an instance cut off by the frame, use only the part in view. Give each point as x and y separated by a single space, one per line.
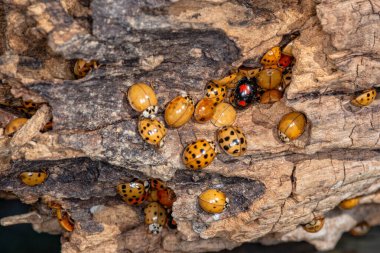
179 46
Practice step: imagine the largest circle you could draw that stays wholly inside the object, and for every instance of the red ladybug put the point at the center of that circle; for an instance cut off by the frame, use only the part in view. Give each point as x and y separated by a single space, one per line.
245 93
285 61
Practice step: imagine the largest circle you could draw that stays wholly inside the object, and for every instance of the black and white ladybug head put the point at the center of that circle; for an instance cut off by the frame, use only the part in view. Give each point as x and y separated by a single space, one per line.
283 137
150 112
155 228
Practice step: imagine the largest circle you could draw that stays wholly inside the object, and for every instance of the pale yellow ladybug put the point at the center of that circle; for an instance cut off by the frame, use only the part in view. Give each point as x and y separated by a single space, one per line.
270 96
365 99
291 126
142 98
14 125
360 229
33 178
213 201
204 110
179 111
152 131
216 92
271 57
155 217
232 140
349 203
269 78
198 154
315 225
224 115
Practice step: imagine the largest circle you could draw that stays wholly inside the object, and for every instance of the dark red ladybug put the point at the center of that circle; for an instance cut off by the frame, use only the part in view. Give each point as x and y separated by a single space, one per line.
246 92
285 61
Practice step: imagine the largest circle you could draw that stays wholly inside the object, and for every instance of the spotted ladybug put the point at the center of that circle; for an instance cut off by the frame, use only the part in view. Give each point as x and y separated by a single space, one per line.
152 131
155 217
365 99
14 125
232 140
285 61
224 115
179 111
213 201
142 98
166 197
245 93
216 92
134 192
315 225
65 220
291 126
204 110
198 154
271 57
157 184
33 178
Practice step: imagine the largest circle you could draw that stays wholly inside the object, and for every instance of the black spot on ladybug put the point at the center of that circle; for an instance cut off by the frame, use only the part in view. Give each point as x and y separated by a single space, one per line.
232 132
193 155
186 159
123 186
368 94
130 200
236 151
198 162
205 156
243 149
188 149
208 95
206 162
212 154
220 140
227 138
142 131
226 147
195 146
209 87
146 138
191 166
204 144
217 99
242 140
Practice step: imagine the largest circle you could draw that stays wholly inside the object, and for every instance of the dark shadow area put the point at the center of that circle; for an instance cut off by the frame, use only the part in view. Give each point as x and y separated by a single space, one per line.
22 238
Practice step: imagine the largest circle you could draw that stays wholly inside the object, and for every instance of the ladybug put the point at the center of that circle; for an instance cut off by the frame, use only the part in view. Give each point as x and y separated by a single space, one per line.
248 72
315 225
204 110
271 57
269 78
134 192
82 67
155 217
171 223
179 111
152 131
349 203
270 97
213 201
33 178
142 98
291 126
225 80
64 220
245 93
14 125
232 140
360 229
365 99
166 197
286 78
157 184
224 115
198 154
285 61
152 195
216 92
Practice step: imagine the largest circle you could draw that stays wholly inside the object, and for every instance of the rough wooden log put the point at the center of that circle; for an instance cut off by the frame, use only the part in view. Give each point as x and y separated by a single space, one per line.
178 46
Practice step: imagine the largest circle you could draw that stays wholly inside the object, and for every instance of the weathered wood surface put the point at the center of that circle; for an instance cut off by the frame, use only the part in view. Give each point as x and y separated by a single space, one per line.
176 46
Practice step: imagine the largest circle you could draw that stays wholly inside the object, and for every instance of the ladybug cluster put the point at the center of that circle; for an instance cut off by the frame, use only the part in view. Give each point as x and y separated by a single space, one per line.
160 198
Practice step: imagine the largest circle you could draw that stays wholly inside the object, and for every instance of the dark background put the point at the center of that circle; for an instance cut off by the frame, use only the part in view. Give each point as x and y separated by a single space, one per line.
23 239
